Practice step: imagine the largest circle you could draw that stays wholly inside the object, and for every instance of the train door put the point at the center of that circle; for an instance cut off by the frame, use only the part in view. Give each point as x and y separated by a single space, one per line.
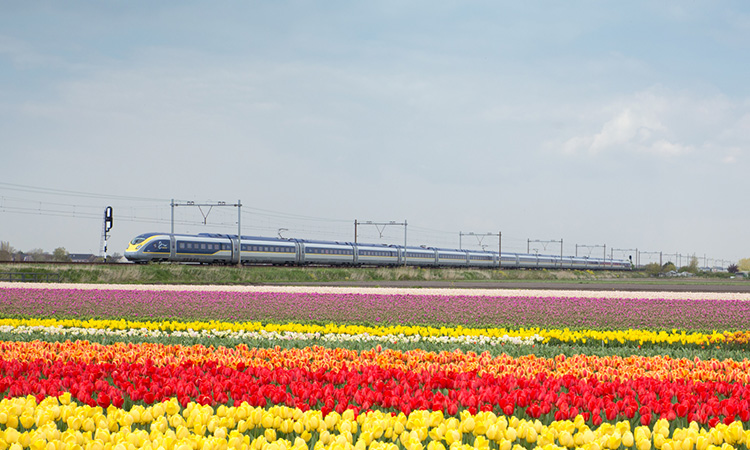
300 250
236 252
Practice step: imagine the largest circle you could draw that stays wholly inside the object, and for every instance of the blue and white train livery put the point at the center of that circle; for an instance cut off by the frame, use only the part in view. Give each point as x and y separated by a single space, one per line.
212 248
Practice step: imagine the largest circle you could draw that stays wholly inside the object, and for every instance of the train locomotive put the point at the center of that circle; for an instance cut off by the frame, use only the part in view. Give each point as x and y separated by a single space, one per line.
213 248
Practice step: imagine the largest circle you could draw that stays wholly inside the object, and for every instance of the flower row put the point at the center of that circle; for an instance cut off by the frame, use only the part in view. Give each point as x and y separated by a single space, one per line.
263 334
62 422
384 386
387 309
338 333
602 368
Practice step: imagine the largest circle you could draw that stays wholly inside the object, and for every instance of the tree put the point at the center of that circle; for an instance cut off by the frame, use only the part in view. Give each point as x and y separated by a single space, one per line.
37 254
733 268
668 267
60 254
113 258
692 267
6 251
653 269
744 264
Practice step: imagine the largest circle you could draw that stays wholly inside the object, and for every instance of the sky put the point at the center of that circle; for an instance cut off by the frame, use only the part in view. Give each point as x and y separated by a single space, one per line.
610 126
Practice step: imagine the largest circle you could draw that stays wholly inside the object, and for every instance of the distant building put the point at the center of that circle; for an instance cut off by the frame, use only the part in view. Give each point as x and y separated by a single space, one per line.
82 257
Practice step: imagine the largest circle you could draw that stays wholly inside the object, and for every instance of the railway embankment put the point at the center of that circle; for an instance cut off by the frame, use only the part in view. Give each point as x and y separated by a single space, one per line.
362 276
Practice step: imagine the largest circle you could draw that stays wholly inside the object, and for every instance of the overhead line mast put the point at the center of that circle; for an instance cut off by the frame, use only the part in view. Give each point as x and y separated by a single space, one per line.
238 249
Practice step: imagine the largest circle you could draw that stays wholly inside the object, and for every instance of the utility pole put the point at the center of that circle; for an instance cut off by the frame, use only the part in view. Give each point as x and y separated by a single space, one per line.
613 250
380 226
652 253
591 247
544 245
480 237
238 249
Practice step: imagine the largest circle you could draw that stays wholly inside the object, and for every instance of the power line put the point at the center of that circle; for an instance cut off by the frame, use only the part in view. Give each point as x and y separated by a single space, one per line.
51 191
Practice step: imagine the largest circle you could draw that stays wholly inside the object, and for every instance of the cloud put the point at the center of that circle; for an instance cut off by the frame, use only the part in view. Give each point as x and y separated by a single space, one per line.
633 128
24 56
662 124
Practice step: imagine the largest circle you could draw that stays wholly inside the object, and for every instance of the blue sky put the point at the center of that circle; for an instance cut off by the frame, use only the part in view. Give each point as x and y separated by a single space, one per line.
618 123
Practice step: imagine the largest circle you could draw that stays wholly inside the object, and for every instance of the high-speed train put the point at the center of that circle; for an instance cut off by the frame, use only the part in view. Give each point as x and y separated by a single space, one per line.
211 248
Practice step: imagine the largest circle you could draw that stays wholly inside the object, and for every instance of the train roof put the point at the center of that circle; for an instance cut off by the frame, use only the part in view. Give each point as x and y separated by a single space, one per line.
313 241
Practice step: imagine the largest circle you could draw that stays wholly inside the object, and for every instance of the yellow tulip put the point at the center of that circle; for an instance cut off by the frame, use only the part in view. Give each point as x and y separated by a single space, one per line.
628 439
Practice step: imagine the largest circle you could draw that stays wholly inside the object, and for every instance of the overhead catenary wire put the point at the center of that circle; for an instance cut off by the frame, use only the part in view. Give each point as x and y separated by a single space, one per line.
263 221
53 191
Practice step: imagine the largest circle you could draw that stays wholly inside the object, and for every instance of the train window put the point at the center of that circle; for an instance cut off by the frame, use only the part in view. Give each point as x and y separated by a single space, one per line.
182 245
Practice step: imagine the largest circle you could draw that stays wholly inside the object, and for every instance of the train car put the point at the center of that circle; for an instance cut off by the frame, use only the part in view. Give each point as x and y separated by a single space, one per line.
452 258
378 254
259 250
324 252
149 247
482 259
202 248
420 256
212 248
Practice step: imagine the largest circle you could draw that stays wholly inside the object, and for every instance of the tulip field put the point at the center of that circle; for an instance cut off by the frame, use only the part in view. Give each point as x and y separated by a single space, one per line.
123 367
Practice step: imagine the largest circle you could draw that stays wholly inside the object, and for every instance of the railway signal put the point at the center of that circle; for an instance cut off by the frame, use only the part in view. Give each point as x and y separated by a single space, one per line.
108 220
